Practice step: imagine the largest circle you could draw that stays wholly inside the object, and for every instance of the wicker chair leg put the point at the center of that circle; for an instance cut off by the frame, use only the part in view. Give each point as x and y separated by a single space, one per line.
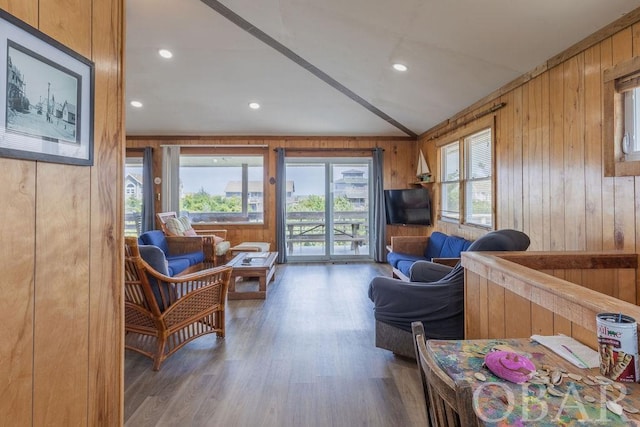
159 356
220 323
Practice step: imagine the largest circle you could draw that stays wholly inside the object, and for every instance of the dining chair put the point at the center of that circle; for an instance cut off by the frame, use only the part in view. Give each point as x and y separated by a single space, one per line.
447 404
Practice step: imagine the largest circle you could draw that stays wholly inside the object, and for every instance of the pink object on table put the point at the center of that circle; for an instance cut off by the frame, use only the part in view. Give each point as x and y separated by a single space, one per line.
510 366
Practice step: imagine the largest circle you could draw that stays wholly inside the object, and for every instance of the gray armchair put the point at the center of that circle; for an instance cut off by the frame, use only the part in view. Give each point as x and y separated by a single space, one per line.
434 296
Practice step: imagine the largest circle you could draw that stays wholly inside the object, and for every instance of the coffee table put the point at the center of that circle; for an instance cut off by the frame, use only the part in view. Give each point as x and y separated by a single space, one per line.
260 265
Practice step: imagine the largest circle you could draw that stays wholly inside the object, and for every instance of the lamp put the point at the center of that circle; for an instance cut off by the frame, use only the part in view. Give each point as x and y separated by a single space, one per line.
423 173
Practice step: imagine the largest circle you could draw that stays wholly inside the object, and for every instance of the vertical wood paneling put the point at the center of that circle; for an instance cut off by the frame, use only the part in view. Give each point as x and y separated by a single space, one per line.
473 306
61 347
527 166
61 361
17 261
541 320
516 150
495 297
574 189
26 10
504 129
517 315
69 23
593 148
556 158
105 326
534 160
608 199
545 179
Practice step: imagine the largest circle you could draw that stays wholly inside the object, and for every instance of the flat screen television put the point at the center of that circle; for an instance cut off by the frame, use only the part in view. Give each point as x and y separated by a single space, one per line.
408 206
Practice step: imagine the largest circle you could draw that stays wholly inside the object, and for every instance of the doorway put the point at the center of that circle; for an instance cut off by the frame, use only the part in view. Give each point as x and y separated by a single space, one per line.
327 209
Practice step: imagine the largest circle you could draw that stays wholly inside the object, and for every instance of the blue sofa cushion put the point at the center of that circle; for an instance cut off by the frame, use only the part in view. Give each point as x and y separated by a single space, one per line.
177 266
404 265
434 245
192 257
394 257
453 246
155 238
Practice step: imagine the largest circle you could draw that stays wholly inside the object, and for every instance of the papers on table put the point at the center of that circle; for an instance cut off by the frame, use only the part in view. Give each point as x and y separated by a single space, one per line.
570 349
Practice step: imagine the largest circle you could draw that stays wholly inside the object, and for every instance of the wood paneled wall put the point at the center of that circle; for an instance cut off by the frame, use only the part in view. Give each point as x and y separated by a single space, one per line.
399 166
549 138
61 341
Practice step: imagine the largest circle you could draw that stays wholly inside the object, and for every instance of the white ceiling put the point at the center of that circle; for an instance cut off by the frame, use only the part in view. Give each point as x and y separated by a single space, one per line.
457 51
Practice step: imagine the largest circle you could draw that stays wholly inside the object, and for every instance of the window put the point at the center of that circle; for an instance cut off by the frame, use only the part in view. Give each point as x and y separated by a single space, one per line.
222 188
478 184
133 194
450 204
468 197
622 119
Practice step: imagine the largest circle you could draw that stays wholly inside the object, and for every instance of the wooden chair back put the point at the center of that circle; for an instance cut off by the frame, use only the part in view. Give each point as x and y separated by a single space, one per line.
448 405
164 313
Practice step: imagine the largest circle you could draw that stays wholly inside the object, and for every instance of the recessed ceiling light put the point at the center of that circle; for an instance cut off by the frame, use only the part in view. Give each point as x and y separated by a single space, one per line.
254 105
136 104
399 67
165 53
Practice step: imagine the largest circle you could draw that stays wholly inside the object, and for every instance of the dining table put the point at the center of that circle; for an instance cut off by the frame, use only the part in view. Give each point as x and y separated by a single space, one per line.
581 396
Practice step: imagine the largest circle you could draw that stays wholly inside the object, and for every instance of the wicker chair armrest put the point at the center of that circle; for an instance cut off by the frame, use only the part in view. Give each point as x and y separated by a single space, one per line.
196 293
414 245
218 232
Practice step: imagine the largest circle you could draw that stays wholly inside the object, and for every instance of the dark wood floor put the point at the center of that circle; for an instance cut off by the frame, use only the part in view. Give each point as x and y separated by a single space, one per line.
304 357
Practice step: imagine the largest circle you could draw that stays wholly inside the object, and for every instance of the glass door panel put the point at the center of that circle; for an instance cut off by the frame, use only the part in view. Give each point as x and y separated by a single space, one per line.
327 210
306 207
350 209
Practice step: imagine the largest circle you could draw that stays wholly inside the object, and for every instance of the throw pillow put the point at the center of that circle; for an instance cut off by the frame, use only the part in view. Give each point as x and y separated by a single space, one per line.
186 222
190 232
174 226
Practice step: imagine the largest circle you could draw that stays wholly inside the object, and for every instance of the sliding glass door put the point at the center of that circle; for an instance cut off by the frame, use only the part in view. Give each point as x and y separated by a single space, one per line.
327 209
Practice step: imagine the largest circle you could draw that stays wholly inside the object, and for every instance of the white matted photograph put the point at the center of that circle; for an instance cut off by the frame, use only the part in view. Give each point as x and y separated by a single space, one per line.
47 110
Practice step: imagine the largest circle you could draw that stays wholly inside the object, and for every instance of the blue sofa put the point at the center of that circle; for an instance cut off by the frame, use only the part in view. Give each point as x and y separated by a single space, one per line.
406 250
180 252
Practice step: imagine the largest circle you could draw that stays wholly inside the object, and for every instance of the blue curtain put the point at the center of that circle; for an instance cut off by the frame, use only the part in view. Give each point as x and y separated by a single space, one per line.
281 206
148 219
379 226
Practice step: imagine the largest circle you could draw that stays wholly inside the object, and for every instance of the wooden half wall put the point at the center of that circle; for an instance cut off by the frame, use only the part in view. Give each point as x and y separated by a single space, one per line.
516 295
399 168
61 258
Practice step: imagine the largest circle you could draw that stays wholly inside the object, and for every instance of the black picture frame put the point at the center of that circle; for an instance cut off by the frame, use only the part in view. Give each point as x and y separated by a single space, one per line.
47 108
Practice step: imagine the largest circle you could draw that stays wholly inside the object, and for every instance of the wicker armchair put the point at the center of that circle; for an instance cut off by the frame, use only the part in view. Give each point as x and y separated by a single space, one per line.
172 226
164 313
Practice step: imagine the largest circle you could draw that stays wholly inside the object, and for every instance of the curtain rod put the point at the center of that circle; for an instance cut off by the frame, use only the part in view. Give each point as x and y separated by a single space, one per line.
329 149
476 116
217 145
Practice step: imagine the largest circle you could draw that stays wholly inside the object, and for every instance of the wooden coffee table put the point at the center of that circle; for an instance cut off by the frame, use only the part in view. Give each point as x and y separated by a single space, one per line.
261 266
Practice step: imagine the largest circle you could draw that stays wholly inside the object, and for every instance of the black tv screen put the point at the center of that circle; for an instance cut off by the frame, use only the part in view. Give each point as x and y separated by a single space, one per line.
408 206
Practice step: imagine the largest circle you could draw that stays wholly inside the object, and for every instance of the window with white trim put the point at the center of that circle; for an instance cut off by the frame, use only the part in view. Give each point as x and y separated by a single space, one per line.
467 197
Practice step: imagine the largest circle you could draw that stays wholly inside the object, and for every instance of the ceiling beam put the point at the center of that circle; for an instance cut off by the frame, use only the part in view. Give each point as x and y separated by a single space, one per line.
273 43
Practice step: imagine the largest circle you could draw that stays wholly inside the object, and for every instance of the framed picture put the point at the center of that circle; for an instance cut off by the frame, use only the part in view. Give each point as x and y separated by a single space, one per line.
46 110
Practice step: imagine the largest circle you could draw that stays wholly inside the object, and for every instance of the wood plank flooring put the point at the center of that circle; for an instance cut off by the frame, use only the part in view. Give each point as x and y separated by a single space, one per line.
305 356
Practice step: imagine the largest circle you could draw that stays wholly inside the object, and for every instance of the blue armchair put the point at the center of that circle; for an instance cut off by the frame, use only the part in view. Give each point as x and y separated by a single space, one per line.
438 304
